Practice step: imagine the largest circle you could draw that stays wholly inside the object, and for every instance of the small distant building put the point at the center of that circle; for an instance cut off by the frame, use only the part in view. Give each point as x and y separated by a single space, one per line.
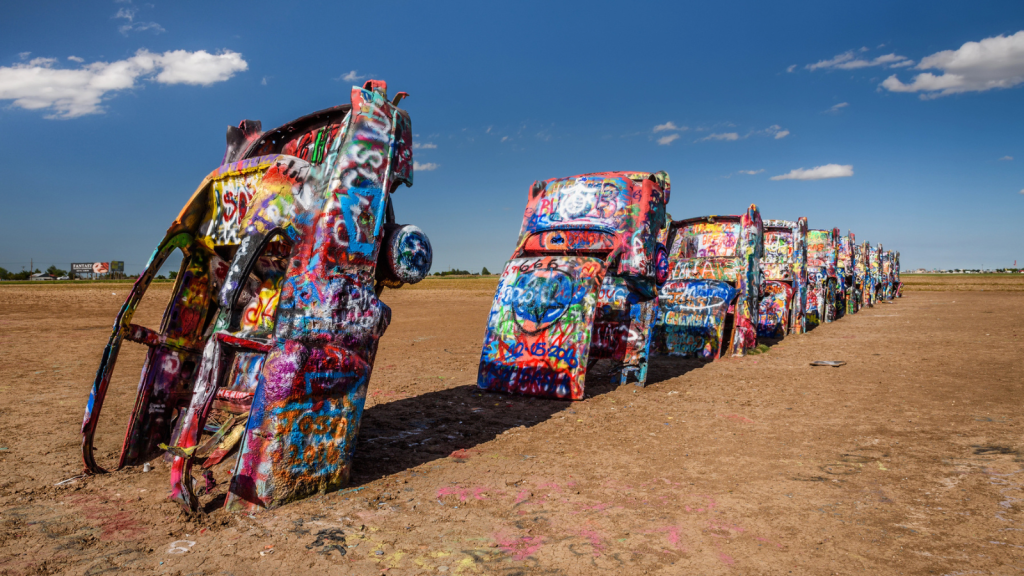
42 276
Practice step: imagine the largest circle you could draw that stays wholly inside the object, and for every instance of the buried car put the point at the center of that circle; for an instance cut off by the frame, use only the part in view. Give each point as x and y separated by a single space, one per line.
825 296
888 277
269 337
710 301
846 269
878 278
783 305
579 284
896 282
865 276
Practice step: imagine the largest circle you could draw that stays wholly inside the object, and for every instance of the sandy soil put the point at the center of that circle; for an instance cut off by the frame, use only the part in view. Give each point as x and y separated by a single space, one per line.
969 282
905 461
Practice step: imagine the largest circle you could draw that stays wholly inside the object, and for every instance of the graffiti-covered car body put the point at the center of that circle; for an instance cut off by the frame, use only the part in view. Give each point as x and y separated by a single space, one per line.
272 328
847 271
888 275
783 303
585 263
865 276
710 300
878 279
825 296
897 283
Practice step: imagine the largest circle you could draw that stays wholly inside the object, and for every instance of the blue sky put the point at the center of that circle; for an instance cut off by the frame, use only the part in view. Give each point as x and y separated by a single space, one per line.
726 97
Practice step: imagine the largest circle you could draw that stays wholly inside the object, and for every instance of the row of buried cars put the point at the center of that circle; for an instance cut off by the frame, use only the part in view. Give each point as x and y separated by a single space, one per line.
602 272
259 367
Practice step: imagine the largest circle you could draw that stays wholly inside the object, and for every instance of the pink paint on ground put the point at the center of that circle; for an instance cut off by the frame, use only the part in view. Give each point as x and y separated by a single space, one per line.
595 541
674 536
519 548
726 559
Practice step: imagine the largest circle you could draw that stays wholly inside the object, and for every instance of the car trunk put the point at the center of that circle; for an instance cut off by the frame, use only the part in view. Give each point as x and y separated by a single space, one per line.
540 325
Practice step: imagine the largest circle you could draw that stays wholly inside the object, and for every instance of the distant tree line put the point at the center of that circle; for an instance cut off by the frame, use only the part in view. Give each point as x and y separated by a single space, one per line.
24 274
456 272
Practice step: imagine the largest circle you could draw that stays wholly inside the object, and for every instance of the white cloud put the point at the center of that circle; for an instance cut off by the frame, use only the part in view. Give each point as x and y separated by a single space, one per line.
351 76
76 59
791 68
198 68
773 130
1022 190
831 63
751 172
133 26
504 138
818 173
141 27
425 167
996 62
424 146
42 62
669 126
24 55
729 136
838 107
69 93
1007 158
850 61
666 140
263 82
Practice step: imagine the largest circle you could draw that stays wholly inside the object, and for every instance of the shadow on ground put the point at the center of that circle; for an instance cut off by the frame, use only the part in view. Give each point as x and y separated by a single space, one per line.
406 433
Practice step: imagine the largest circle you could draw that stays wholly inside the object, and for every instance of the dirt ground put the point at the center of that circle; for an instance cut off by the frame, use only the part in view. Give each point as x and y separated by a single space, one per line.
907 460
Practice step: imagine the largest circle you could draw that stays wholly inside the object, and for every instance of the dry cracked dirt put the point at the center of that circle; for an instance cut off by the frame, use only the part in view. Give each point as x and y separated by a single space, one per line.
907 460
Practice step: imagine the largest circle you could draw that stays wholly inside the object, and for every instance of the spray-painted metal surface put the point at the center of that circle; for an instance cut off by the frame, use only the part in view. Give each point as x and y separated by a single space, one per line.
898 284
847 271
710 300
865 275
784 267
878 279
888 275
272 329
578 285
825 288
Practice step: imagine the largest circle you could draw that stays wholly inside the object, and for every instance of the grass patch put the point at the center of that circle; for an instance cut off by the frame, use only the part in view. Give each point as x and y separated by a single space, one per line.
761 349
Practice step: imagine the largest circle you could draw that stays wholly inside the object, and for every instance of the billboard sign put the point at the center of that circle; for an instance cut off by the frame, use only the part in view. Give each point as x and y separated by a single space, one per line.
81 267
117 266
100 267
